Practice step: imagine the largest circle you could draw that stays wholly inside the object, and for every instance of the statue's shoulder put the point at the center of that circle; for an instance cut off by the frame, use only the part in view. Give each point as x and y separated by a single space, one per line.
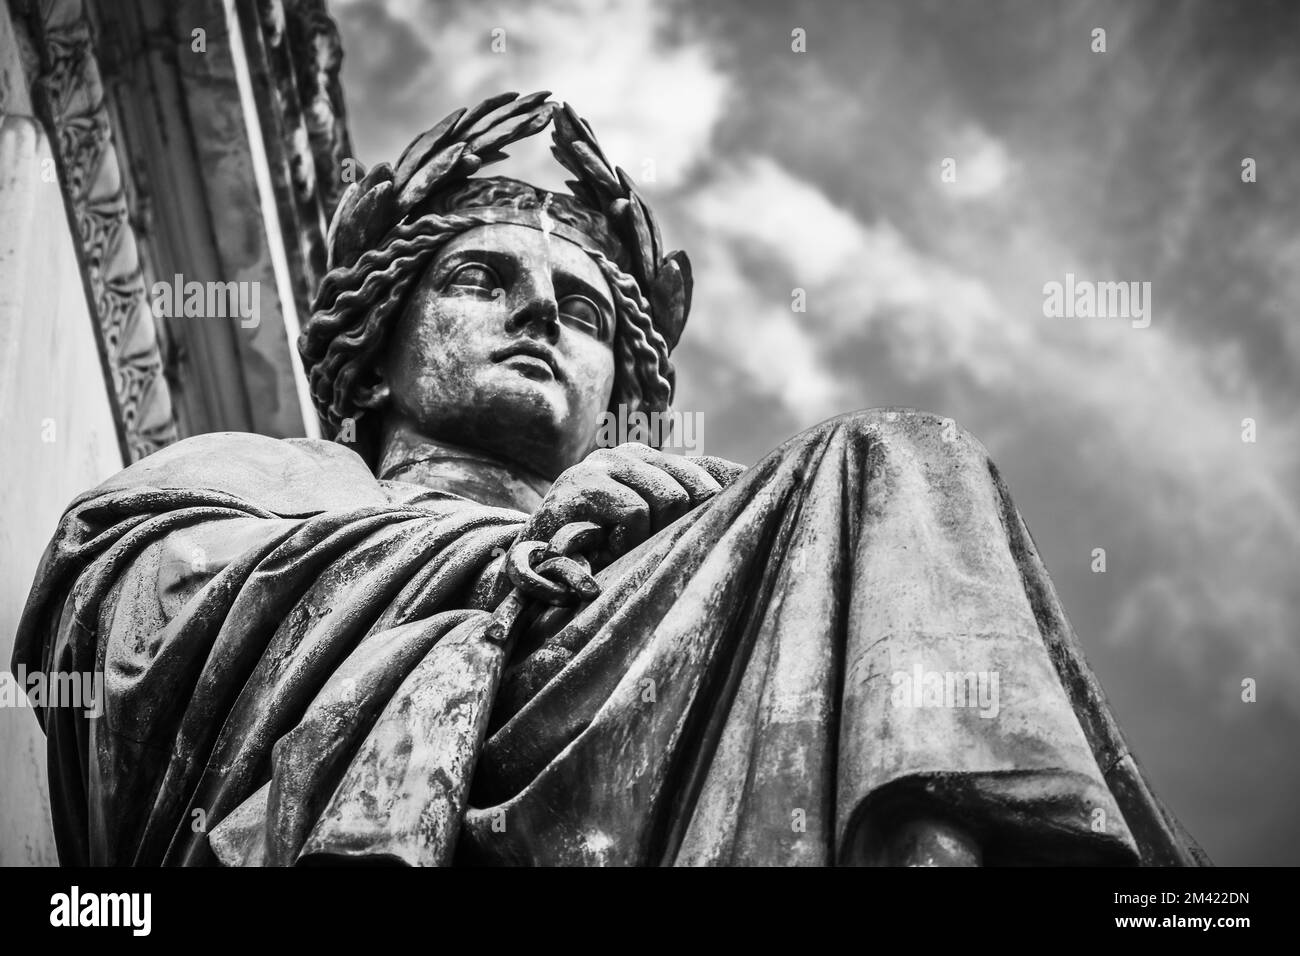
913 426
287 476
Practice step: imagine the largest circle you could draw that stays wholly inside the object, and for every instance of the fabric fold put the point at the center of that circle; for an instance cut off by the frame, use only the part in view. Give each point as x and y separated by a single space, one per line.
857 632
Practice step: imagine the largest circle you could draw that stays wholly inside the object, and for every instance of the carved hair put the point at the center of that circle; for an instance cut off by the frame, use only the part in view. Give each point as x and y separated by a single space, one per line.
357 306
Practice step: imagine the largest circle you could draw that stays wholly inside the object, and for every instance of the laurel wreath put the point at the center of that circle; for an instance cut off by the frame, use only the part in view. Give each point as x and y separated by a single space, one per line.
467 140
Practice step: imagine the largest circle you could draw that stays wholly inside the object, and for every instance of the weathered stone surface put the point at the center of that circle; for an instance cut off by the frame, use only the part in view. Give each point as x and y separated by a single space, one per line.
847 654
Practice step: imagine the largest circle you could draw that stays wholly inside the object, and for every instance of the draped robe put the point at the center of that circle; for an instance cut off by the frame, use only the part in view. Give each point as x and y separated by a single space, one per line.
295 671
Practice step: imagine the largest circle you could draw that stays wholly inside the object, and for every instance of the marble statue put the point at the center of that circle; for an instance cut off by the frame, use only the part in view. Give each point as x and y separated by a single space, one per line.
459 632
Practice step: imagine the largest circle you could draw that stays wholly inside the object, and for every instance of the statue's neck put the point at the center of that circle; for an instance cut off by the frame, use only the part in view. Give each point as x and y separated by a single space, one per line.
411 457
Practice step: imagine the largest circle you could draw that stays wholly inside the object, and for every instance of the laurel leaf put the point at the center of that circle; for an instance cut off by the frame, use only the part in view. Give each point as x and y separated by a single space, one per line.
511 129
368 221
656 240
428 177
583 132
683 264
476 113
573 136
505 115
634 215
670 297
603 179
423 146
645 223
342 212
583 193
378 173
568 127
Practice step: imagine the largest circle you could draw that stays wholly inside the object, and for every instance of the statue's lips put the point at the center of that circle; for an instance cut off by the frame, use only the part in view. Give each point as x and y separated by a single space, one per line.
539 355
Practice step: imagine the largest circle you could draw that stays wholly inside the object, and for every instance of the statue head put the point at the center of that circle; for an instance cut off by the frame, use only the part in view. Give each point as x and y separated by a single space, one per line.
486 313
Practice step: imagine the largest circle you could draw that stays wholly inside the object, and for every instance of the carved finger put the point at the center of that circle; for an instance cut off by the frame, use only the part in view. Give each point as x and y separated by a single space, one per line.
666 497
723 471
631 514
698 482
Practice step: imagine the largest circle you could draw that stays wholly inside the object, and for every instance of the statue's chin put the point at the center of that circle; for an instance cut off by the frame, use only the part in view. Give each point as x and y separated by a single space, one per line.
513 411
532 419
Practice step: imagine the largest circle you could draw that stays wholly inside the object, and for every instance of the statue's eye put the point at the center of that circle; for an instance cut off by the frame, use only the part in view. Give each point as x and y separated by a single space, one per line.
581 313
475 277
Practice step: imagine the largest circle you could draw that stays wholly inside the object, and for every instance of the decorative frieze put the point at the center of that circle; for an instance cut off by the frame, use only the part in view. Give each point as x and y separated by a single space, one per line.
69 95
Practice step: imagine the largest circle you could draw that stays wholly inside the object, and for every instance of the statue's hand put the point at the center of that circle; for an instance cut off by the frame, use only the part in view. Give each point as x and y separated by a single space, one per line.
632 491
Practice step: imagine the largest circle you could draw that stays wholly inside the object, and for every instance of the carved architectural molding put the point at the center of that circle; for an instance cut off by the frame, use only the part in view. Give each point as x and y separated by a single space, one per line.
163 170
294 55
69 95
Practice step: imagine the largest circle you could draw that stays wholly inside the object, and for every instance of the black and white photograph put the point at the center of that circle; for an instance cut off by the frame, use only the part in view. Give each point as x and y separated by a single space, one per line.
647 433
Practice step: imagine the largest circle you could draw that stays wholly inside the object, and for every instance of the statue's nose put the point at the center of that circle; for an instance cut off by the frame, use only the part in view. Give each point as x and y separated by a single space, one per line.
540 314
538 310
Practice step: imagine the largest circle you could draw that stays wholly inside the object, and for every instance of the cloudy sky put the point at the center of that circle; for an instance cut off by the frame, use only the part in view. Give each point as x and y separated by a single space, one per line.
823 170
